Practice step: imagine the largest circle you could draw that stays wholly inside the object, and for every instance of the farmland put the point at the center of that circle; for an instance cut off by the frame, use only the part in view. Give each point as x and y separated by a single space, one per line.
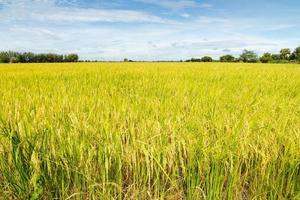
150 131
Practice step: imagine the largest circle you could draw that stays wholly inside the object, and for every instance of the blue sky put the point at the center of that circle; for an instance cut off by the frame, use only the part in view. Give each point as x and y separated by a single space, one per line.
149 29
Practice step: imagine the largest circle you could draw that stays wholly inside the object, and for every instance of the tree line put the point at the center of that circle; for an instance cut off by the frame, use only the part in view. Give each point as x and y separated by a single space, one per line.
29 57
284 56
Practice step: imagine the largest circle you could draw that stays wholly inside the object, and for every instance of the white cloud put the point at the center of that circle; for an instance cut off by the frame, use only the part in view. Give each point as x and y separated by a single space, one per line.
138 43
93 15
213 20
205 5
171 4
185 15
47 10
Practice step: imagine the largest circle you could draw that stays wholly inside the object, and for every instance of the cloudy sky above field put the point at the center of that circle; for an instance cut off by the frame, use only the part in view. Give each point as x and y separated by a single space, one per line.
149 29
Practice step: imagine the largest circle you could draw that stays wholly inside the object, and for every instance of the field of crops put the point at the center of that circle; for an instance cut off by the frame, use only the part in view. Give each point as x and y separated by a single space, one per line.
149 131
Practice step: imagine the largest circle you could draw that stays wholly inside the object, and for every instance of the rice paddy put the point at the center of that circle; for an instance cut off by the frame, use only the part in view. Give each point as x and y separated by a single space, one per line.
149 131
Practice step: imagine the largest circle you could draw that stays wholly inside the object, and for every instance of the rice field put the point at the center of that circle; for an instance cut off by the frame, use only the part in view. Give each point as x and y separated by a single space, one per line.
149 131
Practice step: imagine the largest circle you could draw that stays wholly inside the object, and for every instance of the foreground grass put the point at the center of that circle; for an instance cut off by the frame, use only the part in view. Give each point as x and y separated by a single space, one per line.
149 131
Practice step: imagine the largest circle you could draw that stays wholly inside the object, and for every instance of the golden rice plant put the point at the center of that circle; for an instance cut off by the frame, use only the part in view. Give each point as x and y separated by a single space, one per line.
149 131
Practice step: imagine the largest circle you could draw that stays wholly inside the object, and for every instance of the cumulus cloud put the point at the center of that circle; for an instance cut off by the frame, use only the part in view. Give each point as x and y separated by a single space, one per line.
93 15
185 15
48 10
175 5
138 43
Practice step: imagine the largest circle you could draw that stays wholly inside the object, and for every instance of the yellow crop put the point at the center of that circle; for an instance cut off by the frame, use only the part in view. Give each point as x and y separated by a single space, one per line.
149 131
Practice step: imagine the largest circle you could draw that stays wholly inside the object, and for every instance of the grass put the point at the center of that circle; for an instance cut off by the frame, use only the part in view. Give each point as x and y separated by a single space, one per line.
149 131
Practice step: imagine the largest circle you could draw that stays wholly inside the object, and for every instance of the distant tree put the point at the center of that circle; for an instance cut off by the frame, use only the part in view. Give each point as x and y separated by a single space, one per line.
71 58
276 57
20 58
249 56
296 55
28 57
266 58
4 57
9 57
13 60
206 59
195 60
126 59
60 58
285 53
292 57
227 58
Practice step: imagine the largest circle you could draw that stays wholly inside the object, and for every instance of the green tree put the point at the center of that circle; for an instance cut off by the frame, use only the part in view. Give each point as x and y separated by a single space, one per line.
10 57
285 53
28 57
296 55
4 57
196 60
13 60
227 58
71 58
249 56
266 58
276 57
206 59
